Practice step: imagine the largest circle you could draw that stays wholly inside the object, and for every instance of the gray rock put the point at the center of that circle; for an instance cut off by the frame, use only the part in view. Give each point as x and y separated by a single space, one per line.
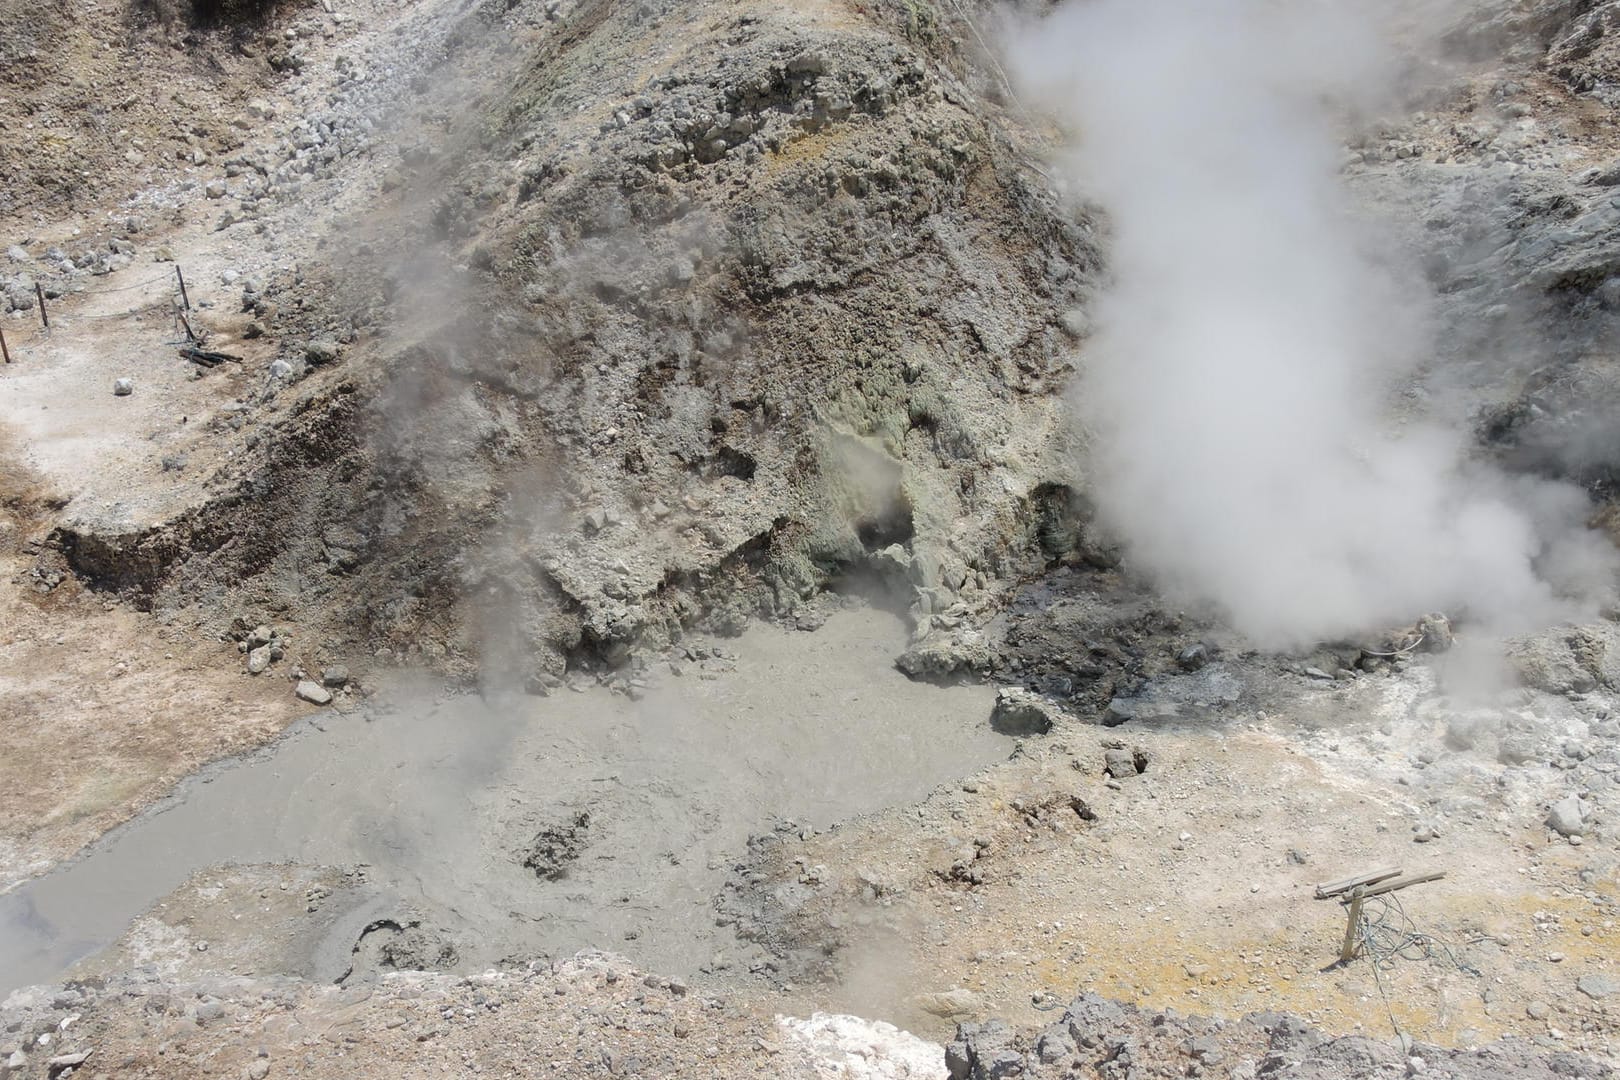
987 1051
123 387
62 1062
1518 750
941 657
1122 710
1558 664
215 189
809 63
258 660
1002 1066
1292 1034
1469 731
258 1069
1598 986
1121 764
1566 816
1436 631
1205 1049
335 676
1091 1017
17 253
1054 1045
17 1061
321 351
313 692
950 1004
1204 693
20 294
1020 712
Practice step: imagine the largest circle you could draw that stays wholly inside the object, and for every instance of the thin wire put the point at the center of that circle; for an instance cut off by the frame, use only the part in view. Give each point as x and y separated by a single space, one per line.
1006 83
1421 638
154 305
989 55
1388 935
121 288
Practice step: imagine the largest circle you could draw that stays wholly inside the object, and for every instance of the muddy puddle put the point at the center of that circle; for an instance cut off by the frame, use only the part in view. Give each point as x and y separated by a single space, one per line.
536 826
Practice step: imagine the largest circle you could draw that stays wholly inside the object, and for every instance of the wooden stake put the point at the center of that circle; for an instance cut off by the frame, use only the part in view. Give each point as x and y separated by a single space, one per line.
184 299
39 291
187 324
3 350
1347 951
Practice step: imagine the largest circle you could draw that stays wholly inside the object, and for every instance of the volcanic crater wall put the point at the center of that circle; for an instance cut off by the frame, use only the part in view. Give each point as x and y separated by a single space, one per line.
663 314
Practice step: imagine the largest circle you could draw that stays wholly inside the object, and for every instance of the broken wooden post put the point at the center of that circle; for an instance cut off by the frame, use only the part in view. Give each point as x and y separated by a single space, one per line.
186 323
1334 888
5 352
184 299
39 291
207 357
1363 887
1347 951
1401 883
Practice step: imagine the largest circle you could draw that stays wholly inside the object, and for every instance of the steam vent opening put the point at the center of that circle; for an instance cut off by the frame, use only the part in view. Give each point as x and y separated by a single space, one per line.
891 525
886 540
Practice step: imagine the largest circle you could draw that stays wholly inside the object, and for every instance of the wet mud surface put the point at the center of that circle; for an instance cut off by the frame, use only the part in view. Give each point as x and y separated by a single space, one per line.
505 830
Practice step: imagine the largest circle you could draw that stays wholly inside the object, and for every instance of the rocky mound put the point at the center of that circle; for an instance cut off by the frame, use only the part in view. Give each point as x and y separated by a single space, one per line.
1096 1037
646 316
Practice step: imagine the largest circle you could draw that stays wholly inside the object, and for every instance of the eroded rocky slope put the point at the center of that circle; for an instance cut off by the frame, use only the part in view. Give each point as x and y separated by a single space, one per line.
673 317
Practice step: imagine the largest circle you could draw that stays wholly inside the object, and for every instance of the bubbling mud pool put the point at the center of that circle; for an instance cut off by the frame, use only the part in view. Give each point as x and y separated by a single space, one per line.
531 827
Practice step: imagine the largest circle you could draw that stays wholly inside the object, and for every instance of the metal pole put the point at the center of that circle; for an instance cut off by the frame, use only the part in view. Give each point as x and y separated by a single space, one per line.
39 291
184 299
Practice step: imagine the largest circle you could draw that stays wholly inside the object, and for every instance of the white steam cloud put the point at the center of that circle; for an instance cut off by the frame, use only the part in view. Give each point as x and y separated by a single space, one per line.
1247 447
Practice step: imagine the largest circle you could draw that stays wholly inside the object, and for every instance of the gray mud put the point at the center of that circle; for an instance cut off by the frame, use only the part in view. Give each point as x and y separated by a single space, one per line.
532 827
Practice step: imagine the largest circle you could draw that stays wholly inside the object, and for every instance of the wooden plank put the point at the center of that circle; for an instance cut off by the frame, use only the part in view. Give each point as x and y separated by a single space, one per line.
1405 882
1331 889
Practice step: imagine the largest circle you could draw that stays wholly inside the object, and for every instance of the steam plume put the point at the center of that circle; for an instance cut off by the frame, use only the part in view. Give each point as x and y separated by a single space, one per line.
1238 388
